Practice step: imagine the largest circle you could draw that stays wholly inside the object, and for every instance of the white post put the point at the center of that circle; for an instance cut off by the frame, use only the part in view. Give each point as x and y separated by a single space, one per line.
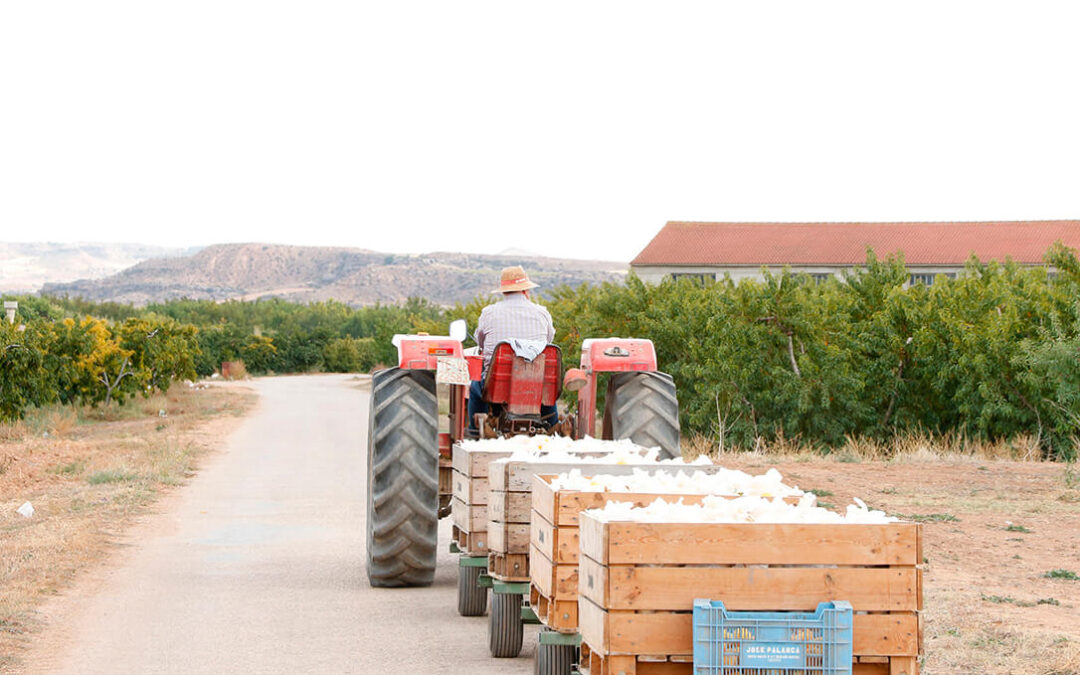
10 306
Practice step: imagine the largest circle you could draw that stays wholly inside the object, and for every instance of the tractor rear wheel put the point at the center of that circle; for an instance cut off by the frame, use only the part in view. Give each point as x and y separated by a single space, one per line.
471 596
506 630
642 406
403 478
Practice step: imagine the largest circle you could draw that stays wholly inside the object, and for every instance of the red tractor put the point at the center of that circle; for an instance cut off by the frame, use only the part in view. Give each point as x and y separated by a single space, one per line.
409 474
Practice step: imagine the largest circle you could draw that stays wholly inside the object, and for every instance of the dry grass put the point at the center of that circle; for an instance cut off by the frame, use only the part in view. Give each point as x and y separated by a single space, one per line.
87 472
964 641
1000 539
901 448
236 371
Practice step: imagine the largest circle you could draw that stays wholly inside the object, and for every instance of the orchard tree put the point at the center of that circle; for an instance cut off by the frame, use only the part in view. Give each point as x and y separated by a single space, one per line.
162 351
92 365
25 379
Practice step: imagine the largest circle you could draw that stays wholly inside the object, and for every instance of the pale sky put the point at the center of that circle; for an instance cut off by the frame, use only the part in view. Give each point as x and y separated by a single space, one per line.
570 129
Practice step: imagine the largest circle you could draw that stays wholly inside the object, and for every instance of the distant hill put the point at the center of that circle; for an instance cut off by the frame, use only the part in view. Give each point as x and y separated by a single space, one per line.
300 273
24 268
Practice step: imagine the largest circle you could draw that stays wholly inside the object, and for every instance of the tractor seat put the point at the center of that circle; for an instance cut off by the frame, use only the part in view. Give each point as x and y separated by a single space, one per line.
523 386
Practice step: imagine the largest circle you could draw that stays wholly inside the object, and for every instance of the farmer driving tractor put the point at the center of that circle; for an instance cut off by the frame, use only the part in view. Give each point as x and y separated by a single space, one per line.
515 319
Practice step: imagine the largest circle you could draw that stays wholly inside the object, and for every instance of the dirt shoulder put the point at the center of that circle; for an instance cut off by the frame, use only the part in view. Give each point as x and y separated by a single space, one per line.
1001 542
88 474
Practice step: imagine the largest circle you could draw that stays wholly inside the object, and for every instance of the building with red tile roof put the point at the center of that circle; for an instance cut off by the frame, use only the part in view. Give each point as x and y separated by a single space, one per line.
697 249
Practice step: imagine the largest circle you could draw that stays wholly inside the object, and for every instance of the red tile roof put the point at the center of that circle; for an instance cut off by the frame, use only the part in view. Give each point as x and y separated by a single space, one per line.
681 243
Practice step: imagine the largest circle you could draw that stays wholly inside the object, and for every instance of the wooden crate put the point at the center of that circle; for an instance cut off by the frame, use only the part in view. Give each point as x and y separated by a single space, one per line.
638 581
469 543
508 533
509 506
469 506
553 557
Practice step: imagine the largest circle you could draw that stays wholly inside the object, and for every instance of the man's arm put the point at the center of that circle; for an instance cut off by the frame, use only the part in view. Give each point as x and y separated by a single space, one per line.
481 330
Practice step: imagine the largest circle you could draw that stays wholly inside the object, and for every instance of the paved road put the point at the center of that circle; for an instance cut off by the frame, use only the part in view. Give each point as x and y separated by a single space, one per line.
257 567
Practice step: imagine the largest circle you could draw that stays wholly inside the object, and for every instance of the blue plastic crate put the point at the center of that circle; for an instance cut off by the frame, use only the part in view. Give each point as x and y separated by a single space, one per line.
772 643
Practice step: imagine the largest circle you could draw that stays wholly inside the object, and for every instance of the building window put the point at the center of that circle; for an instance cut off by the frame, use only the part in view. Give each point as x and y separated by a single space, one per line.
820 277
928 279
697 277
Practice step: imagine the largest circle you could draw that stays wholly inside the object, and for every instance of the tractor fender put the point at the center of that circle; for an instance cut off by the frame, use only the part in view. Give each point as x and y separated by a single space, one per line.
422 352
617 355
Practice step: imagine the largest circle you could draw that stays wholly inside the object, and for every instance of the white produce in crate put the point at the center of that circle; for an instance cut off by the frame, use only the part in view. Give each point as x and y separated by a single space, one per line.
561 449
715 509
721 482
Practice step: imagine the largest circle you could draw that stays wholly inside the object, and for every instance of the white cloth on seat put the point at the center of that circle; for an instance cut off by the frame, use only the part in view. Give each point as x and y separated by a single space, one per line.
527 349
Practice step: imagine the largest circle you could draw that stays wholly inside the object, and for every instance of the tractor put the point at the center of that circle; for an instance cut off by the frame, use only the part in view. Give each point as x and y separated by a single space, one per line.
409 472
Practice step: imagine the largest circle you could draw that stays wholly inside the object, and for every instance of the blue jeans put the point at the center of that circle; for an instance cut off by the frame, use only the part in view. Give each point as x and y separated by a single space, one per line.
477 404
548 413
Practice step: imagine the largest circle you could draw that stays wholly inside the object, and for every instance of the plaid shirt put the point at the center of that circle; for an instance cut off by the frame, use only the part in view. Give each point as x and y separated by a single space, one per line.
512 317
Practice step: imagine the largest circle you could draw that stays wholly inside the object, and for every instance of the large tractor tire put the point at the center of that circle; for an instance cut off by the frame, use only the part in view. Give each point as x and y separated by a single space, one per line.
642 406
403 478
471 596
506 630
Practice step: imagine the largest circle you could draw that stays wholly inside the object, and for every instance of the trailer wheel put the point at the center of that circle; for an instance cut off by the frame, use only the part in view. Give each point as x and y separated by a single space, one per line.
403 478
554 659
505 630
471 597
642 406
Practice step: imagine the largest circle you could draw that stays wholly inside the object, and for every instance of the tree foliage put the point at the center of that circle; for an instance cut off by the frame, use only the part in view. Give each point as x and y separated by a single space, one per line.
25 379
992 354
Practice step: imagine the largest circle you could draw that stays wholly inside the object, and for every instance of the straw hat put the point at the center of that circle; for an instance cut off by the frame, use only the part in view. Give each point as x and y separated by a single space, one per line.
514 279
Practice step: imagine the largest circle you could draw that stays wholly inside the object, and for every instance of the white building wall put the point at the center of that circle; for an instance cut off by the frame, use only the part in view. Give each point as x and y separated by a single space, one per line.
657 273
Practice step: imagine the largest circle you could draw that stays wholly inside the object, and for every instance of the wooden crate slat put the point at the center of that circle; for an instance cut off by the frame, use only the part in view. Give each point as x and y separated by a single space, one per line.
509 507
566 545
542 535
615 632
558 582
617 665
446 478
592 539
612 667
871 589
474 461
472 543
471 490
543 496
469 517
508 537
750 543
560 544
560 615
541 572
509 566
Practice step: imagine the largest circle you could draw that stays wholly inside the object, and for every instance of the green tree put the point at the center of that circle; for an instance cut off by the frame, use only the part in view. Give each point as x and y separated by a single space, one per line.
25 380
350 355
162 351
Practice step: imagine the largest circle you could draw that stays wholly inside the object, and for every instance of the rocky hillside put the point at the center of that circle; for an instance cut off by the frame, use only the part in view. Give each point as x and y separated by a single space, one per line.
25 267
299 273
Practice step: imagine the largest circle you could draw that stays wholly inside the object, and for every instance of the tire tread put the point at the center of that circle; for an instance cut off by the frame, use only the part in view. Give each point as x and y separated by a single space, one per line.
403 479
